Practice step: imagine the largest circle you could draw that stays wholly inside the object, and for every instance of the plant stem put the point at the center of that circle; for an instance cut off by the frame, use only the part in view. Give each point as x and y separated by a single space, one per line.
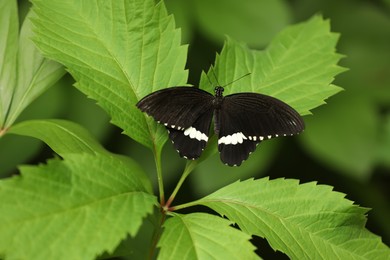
157 159
187 170
157 235
185 205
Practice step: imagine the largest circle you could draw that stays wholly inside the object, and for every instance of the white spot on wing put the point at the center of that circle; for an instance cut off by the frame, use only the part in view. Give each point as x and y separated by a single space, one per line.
236 138
193 133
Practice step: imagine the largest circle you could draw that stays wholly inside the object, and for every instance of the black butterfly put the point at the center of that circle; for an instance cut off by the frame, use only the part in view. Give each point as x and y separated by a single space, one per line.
241 121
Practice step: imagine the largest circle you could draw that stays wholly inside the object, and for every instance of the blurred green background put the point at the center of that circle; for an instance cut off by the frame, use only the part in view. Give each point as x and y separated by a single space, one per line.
346 143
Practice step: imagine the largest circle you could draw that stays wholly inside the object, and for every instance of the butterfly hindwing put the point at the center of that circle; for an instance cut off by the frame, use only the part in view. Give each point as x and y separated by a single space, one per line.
246 119
186 112
191 141
176 107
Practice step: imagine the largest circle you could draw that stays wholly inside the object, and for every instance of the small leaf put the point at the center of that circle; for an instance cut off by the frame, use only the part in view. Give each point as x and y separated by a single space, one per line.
306 221
203 236
64 137
118 52
72 209
297 67
35 74
8 51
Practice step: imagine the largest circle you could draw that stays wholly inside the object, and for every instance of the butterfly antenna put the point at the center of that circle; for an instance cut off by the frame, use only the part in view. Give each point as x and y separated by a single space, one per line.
211 83
215 76
237 79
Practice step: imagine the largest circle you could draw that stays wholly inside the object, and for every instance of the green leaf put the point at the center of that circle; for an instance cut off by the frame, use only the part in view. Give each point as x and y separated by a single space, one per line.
305 221
64 137
118 52
203 236
8 52
254 21
24 73
35 74
67 138
297 67
72 209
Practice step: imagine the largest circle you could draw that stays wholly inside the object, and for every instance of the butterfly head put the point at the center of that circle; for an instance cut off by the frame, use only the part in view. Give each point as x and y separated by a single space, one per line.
218 91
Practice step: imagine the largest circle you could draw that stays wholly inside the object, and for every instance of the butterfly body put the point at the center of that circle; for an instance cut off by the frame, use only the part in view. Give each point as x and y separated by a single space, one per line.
241 121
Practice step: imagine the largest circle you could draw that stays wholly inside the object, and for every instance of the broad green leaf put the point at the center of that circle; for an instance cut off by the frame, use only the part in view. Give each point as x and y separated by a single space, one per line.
305 221
118 52
67 138
252 21
64 137
72 209
203 236
297 67
9 28
35 74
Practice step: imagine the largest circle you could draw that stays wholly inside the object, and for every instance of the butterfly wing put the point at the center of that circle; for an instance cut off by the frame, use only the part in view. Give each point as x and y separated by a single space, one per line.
177 107
191 142
186 112
245 119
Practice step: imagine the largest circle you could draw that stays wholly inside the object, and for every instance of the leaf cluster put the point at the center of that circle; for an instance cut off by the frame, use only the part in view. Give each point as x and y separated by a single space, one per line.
89 202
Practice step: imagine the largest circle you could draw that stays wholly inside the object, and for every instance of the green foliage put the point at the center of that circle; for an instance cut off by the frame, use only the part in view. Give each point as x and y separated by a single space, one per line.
303 221
117 57
202 236
297 67
94 203
365 41
25 73
71 209
62 136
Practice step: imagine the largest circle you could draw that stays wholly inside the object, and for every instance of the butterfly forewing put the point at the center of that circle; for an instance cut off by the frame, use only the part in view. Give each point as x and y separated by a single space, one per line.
177 107
245 119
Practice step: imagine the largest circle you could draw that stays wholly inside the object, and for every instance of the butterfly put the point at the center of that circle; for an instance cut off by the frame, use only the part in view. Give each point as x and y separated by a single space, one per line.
241 120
